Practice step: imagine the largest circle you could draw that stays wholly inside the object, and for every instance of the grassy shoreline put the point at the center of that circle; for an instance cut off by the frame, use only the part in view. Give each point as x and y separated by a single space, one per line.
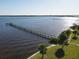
38 51
68 50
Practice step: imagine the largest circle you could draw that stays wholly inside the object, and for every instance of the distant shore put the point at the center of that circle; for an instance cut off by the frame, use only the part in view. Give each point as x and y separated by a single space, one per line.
39 15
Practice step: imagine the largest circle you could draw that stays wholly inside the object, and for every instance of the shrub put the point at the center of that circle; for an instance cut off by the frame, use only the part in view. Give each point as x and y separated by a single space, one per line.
62 37
53 40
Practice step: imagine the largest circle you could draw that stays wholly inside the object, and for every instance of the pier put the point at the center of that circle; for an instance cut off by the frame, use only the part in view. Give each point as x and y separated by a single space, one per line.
27 30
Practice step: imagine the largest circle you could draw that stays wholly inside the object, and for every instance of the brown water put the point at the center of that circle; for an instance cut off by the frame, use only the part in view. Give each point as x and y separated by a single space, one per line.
17 44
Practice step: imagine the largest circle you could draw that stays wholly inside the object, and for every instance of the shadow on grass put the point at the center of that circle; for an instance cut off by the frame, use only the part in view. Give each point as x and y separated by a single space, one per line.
59 53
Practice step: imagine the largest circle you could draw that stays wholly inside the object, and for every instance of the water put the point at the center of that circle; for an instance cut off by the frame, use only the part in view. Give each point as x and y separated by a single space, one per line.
17 44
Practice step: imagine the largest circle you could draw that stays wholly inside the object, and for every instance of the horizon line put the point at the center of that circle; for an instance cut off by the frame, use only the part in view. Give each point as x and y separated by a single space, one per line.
45 15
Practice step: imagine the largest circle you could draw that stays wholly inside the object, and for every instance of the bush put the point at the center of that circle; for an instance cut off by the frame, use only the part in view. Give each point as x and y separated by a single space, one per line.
42 48
53 40
74 37
68 33
62 37
74 26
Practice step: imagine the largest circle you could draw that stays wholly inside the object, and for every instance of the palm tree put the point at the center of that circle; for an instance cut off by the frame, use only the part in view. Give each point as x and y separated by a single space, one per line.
43 50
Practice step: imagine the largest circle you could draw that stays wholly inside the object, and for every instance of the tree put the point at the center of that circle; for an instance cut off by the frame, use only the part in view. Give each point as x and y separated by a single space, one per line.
75 31
74 27
43 50
53 40
65 36
68 33
78 27
75 35
62 37
59 53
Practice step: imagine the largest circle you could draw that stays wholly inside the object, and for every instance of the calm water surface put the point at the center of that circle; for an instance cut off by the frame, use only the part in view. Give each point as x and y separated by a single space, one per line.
17 44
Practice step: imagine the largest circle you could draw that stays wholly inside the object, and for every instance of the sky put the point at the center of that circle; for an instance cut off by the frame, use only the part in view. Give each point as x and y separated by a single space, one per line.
39 7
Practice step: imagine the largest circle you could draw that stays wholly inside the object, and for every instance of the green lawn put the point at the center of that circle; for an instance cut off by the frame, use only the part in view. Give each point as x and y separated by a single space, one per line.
70 51
75 41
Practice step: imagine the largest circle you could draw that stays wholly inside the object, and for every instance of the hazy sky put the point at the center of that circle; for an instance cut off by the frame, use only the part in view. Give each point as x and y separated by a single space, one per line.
33 7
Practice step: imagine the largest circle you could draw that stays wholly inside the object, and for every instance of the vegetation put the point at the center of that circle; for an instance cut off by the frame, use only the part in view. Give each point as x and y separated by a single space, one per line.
66 36
69 52
68 44
42 48
62 37
53 40
75 31
75 34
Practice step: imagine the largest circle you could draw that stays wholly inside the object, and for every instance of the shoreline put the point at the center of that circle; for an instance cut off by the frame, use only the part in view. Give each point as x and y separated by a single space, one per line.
38 51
